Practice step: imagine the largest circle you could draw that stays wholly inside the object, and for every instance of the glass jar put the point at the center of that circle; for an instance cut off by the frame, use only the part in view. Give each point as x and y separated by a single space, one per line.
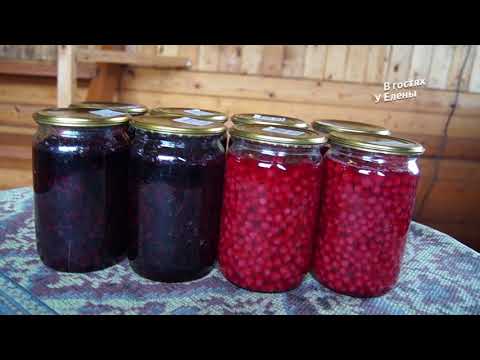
270 204
368 197
175 188
328 126
131 109
80 183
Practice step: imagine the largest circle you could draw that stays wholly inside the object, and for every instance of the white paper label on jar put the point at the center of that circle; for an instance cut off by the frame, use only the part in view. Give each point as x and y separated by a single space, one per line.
106 113
195 122
389 142
269 118
283 131
198 112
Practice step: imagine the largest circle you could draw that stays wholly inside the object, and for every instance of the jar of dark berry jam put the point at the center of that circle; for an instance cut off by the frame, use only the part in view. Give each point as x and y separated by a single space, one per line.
80 184
328 126
131 109
264 119
368 196
270 204
176 180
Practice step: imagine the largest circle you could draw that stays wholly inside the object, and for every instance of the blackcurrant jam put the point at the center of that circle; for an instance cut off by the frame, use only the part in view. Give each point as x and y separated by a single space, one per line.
176 176
80 183
368 199
270 205
328 126
131 109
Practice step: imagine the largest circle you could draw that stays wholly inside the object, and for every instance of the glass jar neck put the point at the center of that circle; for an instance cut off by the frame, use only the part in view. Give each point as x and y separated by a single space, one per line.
274 150
371 159
178 141
75 132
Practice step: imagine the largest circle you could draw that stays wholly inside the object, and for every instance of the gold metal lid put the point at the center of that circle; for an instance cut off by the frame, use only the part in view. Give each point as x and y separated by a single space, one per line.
81 117
283 135
178 125
191 112
376 143
265 119
132 109
327 126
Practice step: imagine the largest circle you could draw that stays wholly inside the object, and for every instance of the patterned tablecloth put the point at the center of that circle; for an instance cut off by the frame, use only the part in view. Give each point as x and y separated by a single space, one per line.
439 276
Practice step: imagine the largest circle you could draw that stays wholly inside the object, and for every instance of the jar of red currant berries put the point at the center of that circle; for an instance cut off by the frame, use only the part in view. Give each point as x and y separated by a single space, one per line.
368 197
80 183
328 126
176 174
131 109
270 205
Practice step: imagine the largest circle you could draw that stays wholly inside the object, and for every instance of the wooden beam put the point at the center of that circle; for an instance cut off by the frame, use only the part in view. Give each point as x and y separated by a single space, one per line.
42 68
129 58
106 83
66 79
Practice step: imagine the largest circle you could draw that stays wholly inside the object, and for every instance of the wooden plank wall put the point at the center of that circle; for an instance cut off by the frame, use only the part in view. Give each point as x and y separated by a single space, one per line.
33 52
366 64
312 81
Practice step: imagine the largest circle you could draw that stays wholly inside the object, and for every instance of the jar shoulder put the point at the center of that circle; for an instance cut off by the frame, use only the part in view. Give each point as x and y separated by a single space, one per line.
373 161
273 153
80 140
176 151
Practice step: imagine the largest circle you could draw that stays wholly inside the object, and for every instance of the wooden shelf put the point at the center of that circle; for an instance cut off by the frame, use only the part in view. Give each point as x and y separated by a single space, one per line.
127 58
110 61
42 69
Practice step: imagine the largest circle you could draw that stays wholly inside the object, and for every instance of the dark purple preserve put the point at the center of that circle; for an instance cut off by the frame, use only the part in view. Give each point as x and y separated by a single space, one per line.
176 171
80 185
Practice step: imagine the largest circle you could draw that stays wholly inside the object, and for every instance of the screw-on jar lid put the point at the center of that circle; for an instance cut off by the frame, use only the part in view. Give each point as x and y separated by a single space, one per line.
191 112
376 143
283 135
327 126
178 125
265 119
132 109
81 117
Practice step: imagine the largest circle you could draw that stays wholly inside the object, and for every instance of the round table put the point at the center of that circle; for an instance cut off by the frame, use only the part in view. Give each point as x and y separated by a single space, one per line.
439 276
